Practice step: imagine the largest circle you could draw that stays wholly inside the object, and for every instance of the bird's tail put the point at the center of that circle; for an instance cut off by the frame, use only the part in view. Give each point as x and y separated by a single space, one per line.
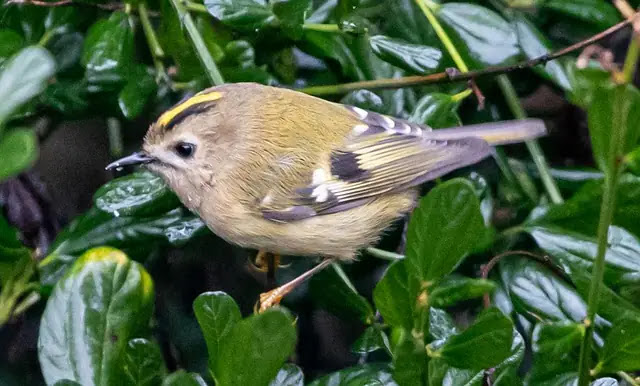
495 133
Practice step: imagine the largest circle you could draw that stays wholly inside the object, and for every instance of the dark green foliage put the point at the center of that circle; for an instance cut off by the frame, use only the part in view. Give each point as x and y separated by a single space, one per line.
417 320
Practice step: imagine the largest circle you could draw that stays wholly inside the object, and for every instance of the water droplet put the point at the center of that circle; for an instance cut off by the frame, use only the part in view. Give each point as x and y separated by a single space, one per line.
116 213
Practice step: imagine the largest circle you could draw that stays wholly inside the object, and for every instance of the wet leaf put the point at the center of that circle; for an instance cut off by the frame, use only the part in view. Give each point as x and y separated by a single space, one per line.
455 289
600 13
182 378
372 339
246 15
368 374
443 229
414 58
108 51
138 194
23 77
138 91
291 15
557 340
104 301
393 297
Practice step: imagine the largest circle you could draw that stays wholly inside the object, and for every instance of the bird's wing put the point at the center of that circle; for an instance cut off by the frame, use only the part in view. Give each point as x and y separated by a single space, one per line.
380 155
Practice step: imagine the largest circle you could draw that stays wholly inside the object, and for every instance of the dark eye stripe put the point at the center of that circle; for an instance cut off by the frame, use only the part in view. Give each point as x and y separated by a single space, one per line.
181 116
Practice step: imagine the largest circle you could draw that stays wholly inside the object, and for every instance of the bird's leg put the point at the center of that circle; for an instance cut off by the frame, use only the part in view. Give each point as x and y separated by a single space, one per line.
266 261
273 297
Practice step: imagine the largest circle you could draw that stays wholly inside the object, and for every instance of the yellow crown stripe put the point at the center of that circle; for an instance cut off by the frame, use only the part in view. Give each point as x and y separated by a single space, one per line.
168 115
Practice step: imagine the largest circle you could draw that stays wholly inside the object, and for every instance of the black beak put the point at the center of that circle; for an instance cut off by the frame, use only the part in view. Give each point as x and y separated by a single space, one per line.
137 158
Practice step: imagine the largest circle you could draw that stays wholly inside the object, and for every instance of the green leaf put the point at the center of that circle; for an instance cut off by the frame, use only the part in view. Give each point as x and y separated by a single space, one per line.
182 231
10 43
217 314
23 77
19 149
68 97
108 51
481 35
182 378
378 374
574 252
93 312
332 290
410 361
138 194
597 12
440 373
394 298
372 339
137 92
441 325
540 295
67 50
291 15
581 212
246 15
443 229
557 340
614 109
143 364
455 289
605 382
621 351
289 375
534 44
486 343
364 99
414 58
436 110
261 343
409 22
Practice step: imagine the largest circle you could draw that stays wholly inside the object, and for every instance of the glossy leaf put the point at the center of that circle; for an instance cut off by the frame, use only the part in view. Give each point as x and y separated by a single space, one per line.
440 373
614 109
12 252
486 343
182 378
291 15
19 149
368 374
443 229
137 194
414 58
104 301
138 91
67 50
332 290
372 339
108 51
540 295
289 375
453 290
10 43
597 12
393 297
184 230
241 14
575 252
23 77
364 99
260 342
605 382
533 45
441 324
217 314
143 364
481 35
436 110
621 351
557 340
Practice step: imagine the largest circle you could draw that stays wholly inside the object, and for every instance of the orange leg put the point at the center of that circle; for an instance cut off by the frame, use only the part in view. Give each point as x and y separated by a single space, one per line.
273 297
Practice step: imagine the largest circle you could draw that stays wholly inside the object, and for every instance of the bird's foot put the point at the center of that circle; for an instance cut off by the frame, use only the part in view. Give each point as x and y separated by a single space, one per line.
265 261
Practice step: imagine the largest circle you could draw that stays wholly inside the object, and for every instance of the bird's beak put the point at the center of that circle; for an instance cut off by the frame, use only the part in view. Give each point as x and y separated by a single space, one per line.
137 158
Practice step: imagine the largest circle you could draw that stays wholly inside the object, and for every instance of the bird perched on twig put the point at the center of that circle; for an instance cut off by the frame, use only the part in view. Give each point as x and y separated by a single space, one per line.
284 172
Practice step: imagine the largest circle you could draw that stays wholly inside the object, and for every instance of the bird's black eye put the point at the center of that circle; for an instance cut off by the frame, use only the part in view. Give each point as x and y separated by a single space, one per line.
185 150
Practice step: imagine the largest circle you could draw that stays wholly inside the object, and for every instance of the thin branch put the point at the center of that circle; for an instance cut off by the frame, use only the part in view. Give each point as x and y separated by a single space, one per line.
448 76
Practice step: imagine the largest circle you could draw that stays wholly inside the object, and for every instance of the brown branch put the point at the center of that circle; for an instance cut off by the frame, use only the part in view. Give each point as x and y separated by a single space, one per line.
449 76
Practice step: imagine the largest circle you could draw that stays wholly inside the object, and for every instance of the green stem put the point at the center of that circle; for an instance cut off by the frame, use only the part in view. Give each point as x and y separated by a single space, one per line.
385 255
333 28
195 7
427 8
612 174
114 132
631 61
461 95
628 378
532 145
198 43
157 53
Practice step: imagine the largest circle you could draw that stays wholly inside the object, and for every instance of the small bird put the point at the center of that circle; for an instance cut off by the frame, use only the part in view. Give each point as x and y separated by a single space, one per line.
280 171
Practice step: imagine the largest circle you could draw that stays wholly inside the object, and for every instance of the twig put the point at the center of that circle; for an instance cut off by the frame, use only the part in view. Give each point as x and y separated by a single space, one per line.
442 77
